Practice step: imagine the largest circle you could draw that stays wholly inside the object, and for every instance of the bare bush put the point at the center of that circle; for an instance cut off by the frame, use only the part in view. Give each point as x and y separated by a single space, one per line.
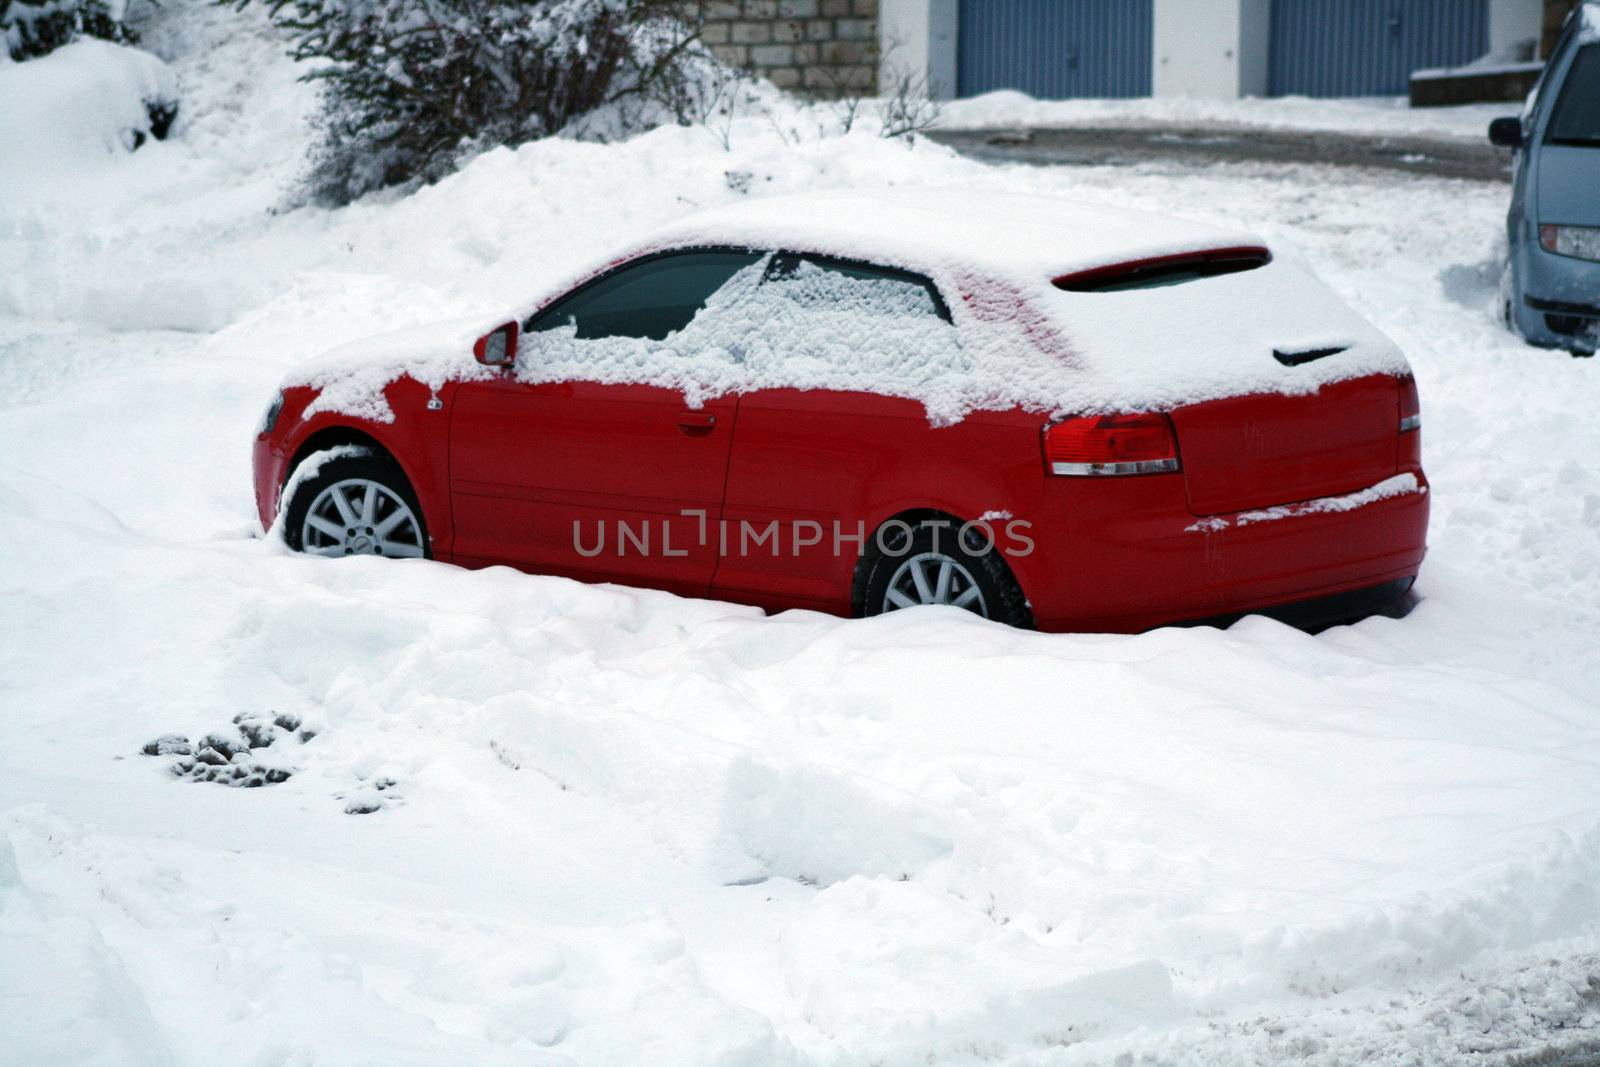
411 87
32 28
907 109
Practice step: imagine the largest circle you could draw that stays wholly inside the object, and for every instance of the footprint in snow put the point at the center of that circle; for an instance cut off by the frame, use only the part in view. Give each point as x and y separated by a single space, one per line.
372 796
229 759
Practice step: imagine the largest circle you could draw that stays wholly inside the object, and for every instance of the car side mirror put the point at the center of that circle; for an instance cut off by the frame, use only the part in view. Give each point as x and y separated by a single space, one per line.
498 347
1506 133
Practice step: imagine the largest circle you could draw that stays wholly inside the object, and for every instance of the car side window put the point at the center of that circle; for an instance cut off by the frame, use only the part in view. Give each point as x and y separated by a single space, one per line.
648 299
715 322
820 281
823 323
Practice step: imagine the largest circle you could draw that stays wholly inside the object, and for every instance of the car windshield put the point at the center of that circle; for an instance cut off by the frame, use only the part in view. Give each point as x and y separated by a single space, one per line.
1577 116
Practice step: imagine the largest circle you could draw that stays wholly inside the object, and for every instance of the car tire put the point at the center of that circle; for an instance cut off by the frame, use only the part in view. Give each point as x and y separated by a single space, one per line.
353 502
939 564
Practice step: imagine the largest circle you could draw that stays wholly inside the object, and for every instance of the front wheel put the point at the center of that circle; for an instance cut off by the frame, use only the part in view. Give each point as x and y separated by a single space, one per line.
354 504
1506 297
931 564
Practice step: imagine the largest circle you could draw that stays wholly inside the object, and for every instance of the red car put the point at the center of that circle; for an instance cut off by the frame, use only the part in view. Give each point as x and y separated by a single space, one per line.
1049 414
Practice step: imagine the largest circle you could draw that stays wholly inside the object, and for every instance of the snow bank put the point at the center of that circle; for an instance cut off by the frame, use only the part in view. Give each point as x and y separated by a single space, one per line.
76 107
67 996
625 827
96 234
1377 116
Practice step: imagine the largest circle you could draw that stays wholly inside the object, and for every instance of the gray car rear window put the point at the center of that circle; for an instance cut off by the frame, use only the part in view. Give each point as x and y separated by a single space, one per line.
1577 116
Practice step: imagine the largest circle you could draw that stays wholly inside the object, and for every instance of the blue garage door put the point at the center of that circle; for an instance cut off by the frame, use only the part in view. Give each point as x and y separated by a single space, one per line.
1369 47
1054 49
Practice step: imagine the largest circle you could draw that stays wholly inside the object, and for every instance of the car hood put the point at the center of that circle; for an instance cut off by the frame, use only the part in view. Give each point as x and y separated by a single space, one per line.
1568 178
351 378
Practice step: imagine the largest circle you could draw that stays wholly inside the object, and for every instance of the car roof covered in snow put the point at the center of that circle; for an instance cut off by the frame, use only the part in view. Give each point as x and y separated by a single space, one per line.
936 229
1016 340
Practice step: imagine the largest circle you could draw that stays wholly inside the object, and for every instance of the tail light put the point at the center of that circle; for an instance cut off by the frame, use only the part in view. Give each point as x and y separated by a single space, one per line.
1408 444
1410 405
1111 444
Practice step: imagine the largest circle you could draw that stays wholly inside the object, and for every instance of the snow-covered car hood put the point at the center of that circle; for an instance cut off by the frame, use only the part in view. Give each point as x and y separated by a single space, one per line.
351 377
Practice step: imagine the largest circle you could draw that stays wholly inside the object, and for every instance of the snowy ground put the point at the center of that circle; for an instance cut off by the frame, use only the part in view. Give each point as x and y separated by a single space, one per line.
1376 116
618 827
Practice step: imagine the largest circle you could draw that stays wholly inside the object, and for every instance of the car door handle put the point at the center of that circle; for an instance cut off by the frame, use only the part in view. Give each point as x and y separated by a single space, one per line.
697 423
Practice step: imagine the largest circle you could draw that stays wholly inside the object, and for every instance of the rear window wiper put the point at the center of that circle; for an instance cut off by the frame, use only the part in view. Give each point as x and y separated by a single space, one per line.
1297 357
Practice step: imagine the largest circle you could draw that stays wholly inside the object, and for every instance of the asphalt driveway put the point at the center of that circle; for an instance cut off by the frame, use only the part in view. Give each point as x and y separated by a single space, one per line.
1189 146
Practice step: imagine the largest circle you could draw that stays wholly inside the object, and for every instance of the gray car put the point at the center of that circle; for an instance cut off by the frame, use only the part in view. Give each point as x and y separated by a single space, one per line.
1551 293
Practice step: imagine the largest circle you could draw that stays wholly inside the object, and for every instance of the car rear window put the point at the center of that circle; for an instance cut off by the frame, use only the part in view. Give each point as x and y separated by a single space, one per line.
1164 270
1576 120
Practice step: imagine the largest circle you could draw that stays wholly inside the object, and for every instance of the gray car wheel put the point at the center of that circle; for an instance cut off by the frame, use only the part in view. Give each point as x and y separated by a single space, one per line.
355 505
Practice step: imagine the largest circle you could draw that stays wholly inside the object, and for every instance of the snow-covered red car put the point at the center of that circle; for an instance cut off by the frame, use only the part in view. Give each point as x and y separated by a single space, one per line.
1048 413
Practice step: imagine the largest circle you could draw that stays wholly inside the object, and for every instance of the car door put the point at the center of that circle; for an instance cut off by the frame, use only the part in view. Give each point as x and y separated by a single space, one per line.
594 476
828 446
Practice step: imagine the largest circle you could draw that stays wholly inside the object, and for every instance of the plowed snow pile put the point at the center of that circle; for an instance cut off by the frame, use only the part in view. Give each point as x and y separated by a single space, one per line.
506 819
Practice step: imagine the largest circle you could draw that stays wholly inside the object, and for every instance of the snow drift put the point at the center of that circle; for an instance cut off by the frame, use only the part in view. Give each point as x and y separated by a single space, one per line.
76 107
602 826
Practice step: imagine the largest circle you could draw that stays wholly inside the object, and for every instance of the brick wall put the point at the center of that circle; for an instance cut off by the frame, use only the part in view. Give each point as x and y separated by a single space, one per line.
819 47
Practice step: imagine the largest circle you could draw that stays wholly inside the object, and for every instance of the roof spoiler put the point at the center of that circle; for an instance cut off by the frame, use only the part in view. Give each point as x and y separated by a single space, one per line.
1164 270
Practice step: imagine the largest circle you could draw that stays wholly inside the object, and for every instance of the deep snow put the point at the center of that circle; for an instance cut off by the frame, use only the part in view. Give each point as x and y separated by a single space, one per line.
1377 116
608 826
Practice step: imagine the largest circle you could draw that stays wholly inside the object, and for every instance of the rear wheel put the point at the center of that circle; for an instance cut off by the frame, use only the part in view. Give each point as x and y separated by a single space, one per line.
945 565
355 505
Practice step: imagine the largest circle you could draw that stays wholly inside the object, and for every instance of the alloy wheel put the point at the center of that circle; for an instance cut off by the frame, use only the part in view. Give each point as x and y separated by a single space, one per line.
934 578
360 517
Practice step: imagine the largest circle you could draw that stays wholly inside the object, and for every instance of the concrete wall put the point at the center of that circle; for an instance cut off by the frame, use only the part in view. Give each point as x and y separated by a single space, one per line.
1513 24
822 47
917 40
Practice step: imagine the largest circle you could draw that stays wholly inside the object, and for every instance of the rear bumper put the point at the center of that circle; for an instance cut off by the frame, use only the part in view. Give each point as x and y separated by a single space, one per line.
1332 609
1152 564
